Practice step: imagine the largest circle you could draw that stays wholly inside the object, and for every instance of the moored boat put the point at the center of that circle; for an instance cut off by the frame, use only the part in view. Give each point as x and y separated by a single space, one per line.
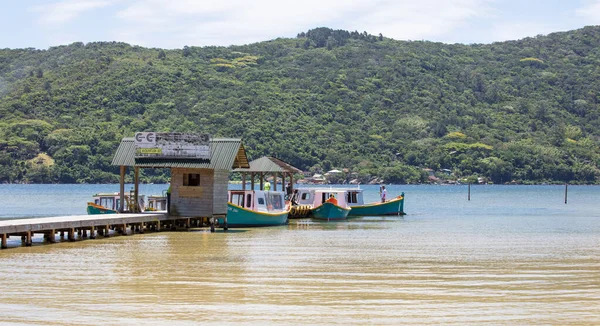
109 203
394 206
324 203
250 208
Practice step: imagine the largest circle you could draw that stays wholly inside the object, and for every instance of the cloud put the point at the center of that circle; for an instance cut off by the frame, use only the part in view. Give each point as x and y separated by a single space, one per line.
229 22
591 12
67 10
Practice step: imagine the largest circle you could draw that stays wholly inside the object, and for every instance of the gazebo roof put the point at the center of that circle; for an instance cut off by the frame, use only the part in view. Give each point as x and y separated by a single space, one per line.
268 164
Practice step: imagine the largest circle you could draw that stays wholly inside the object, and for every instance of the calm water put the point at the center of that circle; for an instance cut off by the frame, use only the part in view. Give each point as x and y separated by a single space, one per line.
511 255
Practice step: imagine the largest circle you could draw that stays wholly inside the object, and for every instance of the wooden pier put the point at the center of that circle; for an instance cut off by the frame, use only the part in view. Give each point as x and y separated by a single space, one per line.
100 225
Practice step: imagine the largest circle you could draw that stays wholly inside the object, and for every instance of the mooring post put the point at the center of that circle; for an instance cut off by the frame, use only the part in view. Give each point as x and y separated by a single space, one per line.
566 187
469 196
4 242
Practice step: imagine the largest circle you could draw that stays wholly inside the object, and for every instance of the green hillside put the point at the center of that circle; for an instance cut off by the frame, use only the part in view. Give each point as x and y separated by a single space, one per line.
525 111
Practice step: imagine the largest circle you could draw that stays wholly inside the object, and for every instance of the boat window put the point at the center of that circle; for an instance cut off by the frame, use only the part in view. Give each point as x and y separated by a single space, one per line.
352 197
261 201
237 199
191 179
249 200
107 202
305 196
275 200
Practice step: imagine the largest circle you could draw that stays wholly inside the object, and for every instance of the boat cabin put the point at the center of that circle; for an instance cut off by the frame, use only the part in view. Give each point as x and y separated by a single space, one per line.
317 196
157 203
258 200
112 201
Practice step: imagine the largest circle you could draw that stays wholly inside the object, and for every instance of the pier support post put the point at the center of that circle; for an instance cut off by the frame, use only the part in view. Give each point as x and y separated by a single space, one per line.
84 233
51 236
212 224
157 226
71 235
62 234
225 221
141 230
188 223
4 242
93 232
28 239
106 232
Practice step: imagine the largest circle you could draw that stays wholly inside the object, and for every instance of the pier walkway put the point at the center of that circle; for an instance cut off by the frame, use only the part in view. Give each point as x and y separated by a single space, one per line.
100 224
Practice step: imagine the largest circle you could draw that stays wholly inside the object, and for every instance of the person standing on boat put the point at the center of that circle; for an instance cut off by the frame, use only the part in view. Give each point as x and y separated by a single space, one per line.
332 200
383 193
267 186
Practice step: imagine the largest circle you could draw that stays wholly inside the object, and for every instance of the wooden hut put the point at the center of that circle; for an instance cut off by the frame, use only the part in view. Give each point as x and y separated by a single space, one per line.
198 181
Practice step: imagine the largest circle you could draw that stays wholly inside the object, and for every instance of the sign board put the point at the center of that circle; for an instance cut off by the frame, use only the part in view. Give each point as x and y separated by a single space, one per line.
172 145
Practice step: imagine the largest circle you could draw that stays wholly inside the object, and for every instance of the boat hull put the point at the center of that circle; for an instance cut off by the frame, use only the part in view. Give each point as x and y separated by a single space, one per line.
392 207
238 217
93 209
329 211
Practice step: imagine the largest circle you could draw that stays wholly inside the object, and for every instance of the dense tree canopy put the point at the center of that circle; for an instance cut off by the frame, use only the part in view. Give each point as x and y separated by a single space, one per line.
525 111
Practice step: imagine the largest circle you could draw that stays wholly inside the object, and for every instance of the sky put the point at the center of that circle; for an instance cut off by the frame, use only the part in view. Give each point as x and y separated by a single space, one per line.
171 24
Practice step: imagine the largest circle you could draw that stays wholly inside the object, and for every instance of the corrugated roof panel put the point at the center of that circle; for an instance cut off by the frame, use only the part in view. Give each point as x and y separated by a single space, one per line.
125 153
224 154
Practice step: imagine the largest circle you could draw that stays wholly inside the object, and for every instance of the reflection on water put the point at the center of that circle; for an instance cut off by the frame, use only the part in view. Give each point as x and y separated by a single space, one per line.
422 268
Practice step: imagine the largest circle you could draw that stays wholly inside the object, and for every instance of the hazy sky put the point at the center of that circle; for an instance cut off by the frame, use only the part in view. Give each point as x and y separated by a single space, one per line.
175 23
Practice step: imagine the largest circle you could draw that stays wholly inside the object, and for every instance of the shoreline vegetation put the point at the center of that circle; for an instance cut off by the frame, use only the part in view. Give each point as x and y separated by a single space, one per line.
523 111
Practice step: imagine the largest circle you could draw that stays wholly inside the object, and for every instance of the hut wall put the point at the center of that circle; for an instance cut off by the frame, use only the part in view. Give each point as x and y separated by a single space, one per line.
192 201
221 183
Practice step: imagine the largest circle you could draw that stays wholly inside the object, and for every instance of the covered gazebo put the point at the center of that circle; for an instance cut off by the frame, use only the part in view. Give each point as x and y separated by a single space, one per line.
265 166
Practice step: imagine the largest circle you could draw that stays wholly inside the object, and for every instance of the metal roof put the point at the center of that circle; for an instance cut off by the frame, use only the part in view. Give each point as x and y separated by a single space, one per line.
226 154
269 164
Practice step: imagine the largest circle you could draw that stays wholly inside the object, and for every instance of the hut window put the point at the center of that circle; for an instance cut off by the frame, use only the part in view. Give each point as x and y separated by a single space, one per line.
191 180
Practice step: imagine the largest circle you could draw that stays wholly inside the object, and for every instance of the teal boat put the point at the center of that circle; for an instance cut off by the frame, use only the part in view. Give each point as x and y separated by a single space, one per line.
325 203
394 206
330 211
252 208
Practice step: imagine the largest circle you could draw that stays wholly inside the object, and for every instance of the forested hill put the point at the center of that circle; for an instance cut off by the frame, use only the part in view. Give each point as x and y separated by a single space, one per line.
525 111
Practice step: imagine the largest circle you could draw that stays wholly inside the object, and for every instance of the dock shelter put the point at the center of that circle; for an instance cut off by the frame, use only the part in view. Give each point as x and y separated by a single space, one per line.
198 184
265 166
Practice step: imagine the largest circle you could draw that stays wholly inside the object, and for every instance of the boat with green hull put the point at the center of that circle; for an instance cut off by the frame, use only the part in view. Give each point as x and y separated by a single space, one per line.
330 211
345 198
253 208
394 206
323 203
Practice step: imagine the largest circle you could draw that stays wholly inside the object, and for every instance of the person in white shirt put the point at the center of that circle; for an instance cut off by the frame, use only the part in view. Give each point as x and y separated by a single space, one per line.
383 193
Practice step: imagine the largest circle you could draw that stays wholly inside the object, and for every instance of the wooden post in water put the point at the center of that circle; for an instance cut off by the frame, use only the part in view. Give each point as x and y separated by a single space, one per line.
566 187
4 244
469 196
